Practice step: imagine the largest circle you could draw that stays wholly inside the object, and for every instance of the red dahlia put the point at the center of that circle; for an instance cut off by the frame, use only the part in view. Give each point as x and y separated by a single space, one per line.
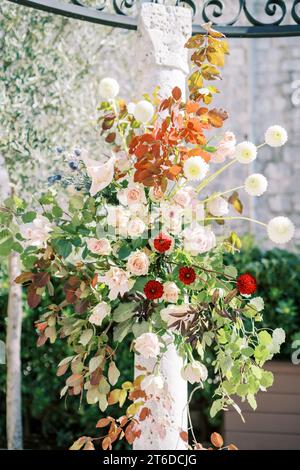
187 275
153 290
162 242
246 284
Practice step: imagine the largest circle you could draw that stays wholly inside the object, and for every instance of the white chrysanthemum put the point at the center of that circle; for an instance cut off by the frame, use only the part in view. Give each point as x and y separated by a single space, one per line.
195 169
143 111
276 136
280 230
109 88
218 206
256 184
245 152
257 303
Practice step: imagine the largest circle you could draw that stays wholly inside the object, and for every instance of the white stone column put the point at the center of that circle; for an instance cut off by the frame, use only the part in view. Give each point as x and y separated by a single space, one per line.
163 61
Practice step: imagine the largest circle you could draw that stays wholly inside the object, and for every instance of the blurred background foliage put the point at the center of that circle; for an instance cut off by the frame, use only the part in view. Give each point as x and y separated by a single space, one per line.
51 423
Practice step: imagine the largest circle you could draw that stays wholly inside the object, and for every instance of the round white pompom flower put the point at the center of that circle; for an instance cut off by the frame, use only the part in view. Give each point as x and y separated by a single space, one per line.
276 136
195 168
143 111
109 88
245 152
280 230
256 184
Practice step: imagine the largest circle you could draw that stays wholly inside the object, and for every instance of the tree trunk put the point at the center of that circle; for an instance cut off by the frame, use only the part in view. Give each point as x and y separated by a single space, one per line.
13 353
162 61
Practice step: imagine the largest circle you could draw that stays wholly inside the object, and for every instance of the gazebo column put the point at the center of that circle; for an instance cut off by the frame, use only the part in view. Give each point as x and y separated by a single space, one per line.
162 61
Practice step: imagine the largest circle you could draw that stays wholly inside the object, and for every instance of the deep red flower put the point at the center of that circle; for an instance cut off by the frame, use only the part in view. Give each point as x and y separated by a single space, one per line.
153 290
162 242
187 275
246 284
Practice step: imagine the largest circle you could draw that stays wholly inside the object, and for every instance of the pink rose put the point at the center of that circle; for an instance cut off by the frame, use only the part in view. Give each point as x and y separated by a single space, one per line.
198 240
225 148
100 247
134 194
138 263
118 282
171 292
135 227
147 345
156 194
183 197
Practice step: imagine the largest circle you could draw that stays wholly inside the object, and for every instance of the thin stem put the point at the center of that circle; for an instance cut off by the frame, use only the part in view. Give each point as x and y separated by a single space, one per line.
261 145
238 218
222 194
214 175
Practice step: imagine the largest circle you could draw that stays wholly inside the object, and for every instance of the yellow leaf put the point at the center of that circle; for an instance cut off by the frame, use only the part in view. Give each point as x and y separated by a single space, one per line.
134 408
122 397
127 386
114 396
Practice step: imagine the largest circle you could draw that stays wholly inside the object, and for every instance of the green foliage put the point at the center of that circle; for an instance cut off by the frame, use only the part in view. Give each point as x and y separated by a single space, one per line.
278 275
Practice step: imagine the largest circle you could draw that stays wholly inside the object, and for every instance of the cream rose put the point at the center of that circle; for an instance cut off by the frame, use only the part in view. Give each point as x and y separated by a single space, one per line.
118 282
198 240
101 311
194 372
36 233
218 206
134 194
183 197
135 227
171 292
153 385
100 247
147 345
138 263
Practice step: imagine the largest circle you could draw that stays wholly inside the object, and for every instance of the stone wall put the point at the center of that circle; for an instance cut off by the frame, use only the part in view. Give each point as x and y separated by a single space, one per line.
260 88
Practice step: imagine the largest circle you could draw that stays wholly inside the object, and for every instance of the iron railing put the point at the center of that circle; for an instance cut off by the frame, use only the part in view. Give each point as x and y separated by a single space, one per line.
284 21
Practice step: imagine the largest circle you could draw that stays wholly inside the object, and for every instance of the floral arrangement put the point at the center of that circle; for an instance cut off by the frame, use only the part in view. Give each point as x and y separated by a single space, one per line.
132 242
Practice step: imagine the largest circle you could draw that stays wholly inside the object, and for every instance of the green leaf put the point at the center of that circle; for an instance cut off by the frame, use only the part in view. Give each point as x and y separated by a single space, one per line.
139 328
216 407
264 338
124 251
28 217
123 312
267 379
57 212
62 247
6 246
122 330
231 271
252 401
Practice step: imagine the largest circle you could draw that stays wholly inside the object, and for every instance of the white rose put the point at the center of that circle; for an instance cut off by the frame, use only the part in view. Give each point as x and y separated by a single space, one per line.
194 372
109 88
138 263
100 247
153 385
218 206
101 311
135 227
147 345
171 292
